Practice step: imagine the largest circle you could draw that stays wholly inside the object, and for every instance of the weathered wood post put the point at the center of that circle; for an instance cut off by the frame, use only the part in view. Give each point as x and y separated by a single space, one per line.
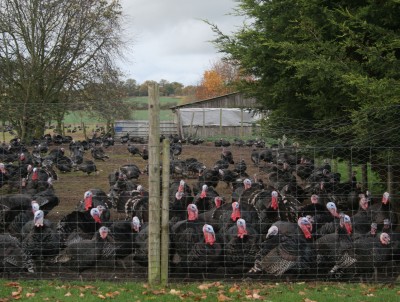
165 212
154 259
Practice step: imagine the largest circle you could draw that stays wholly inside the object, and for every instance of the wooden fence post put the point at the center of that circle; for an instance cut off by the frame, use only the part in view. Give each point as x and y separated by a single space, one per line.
154 268
165 212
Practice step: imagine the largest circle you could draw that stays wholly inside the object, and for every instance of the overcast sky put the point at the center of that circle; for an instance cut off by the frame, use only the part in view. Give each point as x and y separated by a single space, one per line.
169 40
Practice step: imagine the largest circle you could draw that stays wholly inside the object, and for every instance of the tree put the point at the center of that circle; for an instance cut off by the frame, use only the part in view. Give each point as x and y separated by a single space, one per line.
49 50
324 68
316 60
143 88
220 79
104 98
131 87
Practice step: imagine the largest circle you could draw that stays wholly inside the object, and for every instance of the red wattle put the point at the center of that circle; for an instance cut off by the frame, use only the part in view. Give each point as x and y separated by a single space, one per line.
235 214
88 203
274 203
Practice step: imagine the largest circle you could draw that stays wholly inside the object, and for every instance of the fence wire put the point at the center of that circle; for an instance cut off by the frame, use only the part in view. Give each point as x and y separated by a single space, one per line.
239 209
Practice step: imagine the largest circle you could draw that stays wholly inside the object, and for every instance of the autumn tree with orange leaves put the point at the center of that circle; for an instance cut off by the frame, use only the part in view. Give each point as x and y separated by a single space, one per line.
219 80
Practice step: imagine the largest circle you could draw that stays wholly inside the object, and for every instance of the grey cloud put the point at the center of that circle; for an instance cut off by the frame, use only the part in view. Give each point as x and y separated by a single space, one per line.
170 39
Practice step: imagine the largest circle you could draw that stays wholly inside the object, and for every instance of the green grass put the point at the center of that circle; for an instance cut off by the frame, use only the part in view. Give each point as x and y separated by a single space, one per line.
171 101
77 117
211 291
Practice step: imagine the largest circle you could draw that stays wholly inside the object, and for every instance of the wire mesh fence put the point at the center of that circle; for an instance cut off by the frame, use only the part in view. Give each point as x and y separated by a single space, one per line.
238 209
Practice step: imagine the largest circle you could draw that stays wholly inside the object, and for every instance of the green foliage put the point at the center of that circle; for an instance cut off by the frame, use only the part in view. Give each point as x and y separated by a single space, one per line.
327 72
317 61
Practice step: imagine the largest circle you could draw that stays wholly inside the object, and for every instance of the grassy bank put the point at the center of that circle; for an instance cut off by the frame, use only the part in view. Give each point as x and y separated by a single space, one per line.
212 291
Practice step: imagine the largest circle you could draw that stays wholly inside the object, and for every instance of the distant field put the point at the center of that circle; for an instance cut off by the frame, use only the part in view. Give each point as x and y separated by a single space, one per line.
172 101
78 117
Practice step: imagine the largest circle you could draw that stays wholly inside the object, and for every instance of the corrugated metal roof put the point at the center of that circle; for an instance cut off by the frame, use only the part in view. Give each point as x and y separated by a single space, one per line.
231 100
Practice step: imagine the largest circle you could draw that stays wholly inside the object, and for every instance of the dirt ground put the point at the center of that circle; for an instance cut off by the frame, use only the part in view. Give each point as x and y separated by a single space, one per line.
71 186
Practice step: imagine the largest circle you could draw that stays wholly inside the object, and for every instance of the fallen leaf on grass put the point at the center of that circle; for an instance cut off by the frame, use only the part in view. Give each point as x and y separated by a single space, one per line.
222 298
175 292
302 293
101 296
12 284
309 300
158 292
234 288
112 295
205 286
29 295
68 294
17 293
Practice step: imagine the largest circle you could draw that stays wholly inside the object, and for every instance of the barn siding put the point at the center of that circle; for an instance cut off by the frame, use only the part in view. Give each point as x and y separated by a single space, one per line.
141 128
214 131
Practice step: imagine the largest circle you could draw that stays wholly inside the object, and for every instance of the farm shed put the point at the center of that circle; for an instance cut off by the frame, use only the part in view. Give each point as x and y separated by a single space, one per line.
227 115
138 128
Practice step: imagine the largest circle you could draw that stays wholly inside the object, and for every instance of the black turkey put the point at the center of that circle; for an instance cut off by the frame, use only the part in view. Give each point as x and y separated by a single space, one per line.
227 156
383 211
205 199
321 214
228 176
364 257
220 164
201 258
76 154
80 224
226 216
331 246
240 168
131 171
88 167
361 220
94 198
13 258
175 150
271 241
295 256
11 206
15 227
145 153
133 150
209 177
180 197
88 253
255 157
40 238
98 153
240 244
142 251
185 233
124 234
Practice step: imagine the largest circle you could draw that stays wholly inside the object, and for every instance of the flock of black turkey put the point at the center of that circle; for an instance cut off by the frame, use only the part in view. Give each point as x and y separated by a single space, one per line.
293 219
